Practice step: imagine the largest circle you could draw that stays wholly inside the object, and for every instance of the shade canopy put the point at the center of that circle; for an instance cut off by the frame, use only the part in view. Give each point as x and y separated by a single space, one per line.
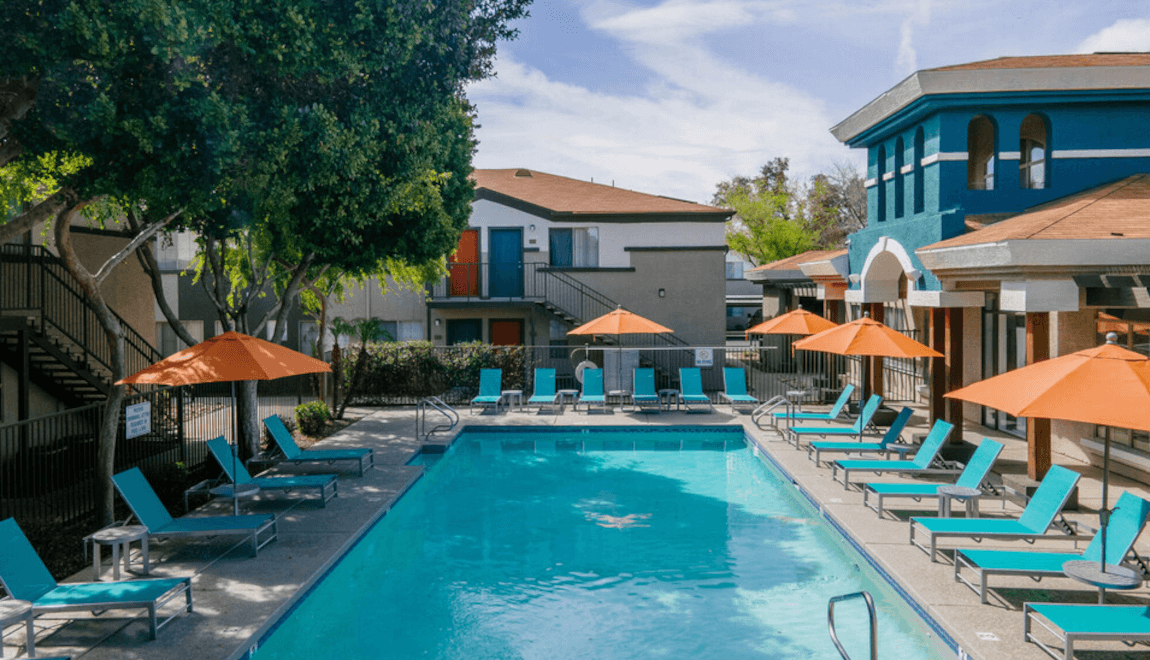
797 322
1110 323
231 356
620 322
866 336
1105 385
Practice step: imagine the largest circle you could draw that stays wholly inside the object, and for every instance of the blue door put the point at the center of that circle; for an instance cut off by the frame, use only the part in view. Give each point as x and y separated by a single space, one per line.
506 270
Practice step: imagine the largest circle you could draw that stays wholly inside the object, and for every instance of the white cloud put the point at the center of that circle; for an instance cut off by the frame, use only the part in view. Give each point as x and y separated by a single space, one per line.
703 120
1128 34
907 60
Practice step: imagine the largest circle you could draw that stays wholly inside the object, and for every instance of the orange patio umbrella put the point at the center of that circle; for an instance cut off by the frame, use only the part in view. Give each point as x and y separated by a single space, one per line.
866 337
619 322
228 357
796 322
1105 385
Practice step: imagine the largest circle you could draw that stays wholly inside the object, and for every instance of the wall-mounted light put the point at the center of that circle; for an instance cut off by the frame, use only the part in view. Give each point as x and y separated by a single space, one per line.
662 293
437 323
531 228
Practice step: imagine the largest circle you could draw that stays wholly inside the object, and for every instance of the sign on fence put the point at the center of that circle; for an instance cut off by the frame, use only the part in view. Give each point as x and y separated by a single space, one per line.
138 417
704 357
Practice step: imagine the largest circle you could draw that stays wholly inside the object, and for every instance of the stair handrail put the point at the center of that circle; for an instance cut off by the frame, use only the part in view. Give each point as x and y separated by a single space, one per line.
873 622
767 407
437 404
139 352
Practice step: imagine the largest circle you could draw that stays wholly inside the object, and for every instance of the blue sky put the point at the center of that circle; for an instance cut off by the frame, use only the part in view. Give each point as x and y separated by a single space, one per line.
672 96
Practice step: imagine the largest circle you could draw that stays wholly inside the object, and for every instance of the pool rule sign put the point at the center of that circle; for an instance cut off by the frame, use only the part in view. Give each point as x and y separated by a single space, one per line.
138 419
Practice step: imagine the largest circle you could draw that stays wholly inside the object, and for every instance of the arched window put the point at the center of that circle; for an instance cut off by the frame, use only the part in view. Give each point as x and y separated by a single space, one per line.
880 177
980 154
899 194
1032 145
919 149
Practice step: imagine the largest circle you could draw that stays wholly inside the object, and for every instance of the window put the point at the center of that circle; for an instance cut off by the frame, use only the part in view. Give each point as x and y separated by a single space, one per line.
919 154
575 248
980 154
409 331
734 270
169 342
880 177
1032 160
899 193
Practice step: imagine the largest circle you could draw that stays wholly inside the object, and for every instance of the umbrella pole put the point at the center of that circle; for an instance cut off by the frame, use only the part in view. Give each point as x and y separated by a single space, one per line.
235 452
1104 512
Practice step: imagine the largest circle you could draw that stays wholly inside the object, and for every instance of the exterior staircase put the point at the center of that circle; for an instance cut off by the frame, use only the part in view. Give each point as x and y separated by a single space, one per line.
48 326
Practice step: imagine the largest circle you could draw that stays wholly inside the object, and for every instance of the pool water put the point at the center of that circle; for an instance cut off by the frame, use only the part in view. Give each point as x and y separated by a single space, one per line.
604 544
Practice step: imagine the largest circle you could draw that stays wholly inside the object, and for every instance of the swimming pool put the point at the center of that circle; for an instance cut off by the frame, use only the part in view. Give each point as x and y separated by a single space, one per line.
606 543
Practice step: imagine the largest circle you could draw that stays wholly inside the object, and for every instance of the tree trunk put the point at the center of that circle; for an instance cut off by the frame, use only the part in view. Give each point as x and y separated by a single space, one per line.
247 407
114 333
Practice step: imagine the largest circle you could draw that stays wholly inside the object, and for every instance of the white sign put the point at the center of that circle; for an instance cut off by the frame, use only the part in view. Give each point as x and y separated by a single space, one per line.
704 357
138 417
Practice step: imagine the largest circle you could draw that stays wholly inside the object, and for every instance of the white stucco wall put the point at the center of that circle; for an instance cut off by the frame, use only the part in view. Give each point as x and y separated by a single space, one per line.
613 236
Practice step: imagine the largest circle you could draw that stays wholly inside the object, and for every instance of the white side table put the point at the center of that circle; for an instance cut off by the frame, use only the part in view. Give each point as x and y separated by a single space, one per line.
15 611
511 398
668 397
236 492
120 538
948 493
568 396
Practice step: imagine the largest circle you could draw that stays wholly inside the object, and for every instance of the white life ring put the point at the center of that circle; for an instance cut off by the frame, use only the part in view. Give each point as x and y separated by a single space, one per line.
579 368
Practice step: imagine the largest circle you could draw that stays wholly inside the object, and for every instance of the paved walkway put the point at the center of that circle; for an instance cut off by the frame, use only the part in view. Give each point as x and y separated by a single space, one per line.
237 597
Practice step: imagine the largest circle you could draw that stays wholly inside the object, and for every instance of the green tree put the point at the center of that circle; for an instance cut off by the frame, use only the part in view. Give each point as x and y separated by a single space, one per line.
771 220
306 132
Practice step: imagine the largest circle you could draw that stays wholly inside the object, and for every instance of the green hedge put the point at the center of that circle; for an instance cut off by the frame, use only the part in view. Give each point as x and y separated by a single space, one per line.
404 372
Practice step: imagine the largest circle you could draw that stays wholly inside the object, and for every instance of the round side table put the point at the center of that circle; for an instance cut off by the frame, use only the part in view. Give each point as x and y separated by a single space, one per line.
120 538
236 492
1114 577
15 611
948 493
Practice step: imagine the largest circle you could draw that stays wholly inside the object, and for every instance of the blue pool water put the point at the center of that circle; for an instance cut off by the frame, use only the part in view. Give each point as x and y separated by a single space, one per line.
600 543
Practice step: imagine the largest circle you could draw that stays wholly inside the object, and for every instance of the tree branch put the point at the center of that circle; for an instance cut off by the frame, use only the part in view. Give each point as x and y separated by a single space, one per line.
128 249
49 209
148 263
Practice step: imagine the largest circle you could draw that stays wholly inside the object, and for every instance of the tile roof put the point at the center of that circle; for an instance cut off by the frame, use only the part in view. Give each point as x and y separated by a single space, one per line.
1054 61
1112 211
560 194
792 263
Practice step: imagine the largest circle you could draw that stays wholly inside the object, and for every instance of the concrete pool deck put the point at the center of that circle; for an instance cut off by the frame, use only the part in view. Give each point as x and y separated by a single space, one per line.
237 597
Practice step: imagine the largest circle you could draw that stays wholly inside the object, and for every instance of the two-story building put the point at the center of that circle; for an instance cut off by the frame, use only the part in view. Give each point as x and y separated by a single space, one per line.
1008 206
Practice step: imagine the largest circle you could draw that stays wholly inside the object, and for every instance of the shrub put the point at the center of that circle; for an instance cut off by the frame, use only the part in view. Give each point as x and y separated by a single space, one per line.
416 369
312 417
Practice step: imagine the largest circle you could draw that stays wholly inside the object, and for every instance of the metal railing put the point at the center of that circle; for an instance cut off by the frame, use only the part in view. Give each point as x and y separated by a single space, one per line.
422 432
536 282
36 282
873 623
48 464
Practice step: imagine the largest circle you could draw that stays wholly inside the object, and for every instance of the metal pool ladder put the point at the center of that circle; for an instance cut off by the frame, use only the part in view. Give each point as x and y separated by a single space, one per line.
433 403
873 622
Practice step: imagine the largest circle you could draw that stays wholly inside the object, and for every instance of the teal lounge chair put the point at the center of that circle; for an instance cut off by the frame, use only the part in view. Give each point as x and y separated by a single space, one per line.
25 577
920 464
324 484
545 394
1126 524
1046 503
363 456
691 386
831 416
1125 623
735 388
645 394
592 390
891 441
794 434
490 390
972 476
142 500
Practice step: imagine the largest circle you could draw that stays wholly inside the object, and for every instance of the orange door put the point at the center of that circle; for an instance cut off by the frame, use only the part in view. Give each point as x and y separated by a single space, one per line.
464 265
507 333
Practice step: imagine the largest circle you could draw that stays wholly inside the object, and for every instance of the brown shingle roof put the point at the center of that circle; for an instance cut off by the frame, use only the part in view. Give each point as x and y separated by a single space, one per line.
1054 61
792 263
1113 211
560 194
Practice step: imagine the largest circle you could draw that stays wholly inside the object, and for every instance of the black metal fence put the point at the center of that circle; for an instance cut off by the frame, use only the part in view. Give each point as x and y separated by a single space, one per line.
48 464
